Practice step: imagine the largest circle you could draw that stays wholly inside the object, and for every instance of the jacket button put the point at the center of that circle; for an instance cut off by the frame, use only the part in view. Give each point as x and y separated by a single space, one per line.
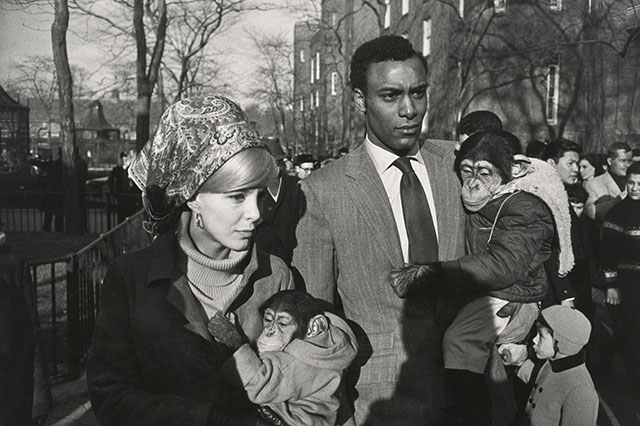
530 399
540 390
533 405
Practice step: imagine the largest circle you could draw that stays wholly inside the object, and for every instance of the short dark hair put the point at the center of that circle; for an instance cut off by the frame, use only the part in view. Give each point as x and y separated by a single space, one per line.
381 49
612 152
633 169
122 155
635 152
535 148
558 147
479 121
577 194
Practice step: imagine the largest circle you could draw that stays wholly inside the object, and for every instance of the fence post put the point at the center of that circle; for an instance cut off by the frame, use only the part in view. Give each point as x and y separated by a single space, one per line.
73 316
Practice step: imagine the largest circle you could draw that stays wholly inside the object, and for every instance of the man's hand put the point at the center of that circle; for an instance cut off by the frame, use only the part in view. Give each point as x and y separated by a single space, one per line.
613 296
513 354
225 332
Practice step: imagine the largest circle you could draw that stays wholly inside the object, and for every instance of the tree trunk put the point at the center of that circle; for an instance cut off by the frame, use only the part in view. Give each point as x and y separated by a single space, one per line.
67 123
146 80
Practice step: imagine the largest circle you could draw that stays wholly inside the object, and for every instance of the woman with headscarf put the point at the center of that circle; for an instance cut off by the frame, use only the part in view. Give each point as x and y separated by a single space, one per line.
152 360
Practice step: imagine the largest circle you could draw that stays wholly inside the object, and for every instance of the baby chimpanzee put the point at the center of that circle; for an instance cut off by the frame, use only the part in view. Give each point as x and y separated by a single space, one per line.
302 354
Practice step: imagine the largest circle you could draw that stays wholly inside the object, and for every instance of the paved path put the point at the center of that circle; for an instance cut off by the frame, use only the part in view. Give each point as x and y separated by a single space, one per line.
72 406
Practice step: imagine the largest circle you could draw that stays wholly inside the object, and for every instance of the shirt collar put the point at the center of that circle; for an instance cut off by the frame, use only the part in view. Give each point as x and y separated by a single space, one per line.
383 159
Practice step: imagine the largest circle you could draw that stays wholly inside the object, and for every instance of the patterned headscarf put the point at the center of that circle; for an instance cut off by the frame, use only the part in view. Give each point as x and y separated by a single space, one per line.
196 136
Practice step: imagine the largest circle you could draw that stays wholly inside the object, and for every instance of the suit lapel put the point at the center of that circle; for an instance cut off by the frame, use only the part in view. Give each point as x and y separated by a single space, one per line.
439 168
370 198
612 186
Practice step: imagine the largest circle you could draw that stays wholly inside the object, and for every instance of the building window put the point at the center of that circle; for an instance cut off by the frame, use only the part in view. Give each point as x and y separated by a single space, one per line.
387 13
461 8
311 102
334 83
333 19
313 68
500 5
405 7
301 104
553 92
301 55
426 37
317 66
555 4
317 99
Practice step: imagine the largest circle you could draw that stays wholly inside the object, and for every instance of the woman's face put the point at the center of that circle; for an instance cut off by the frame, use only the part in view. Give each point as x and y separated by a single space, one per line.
586 169
229 220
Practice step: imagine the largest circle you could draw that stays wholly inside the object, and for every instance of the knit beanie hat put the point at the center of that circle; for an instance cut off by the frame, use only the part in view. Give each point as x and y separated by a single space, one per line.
571 329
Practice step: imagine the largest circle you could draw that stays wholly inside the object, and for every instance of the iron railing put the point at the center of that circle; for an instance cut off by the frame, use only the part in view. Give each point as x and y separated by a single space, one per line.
72 285
28 211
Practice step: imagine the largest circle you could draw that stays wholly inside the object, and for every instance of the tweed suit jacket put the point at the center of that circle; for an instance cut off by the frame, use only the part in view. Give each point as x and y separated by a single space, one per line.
603 192
347 244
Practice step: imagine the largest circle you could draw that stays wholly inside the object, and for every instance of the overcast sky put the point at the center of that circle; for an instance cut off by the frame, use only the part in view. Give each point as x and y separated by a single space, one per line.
24 33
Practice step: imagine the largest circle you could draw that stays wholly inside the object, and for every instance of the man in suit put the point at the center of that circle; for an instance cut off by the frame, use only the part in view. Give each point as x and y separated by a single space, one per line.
608 189
354 231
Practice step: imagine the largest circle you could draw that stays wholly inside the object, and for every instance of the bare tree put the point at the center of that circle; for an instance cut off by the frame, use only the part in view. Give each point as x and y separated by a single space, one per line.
67 124
274 81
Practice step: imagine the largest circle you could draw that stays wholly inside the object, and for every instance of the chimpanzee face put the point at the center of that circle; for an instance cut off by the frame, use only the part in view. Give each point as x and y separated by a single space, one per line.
278 329
480 181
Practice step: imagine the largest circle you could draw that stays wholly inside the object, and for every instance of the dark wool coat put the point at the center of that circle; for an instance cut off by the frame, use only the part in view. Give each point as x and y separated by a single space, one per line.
152 361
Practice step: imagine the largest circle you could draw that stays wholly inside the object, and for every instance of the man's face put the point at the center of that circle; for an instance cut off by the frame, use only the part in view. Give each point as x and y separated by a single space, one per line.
577 207
304 169
567 167
618 166
395 103
633 187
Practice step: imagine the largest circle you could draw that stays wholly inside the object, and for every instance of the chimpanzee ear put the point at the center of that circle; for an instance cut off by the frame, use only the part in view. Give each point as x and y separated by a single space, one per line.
520 166
318 325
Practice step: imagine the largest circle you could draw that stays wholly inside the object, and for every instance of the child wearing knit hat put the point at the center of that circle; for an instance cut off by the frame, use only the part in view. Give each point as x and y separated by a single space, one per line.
562 390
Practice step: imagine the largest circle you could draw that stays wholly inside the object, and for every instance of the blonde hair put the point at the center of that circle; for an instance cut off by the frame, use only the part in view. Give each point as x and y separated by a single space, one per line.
249 168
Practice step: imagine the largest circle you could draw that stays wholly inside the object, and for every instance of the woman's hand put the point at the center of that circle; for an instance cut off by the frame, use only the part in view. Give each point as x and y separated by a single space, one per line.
613 296
225 332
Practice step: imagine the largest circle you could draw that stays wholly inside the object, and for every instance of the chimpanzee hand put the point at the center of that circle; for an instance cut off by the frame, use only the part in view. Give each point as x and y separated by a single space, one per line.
411 278
225 332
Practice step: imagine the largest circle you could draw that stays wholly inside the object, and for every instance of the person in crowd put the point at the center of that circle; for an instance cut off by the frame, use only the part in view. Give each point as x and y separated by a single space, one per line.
535 149
82 174
152 360
276 233
563 393
590 167
391 200
122 188
478 121
635 155
53 202
343 151
608 189
304 165
574 288
25 392
620 260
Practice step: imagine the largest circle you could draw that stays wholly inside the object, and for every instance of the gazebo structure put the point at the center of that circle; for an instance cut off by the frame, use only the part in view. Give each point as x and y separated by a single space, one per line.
96 137
14 133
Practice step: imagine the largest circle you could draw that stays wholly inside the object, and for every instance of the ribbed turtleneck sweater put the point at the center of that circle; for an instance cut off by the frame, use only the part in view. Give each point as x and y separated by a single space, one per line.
215 283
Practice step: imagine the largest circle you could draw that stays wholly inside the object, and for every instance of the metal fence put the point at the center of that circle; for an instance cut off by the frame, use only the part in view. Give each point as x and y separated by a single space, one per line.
30 211
68 288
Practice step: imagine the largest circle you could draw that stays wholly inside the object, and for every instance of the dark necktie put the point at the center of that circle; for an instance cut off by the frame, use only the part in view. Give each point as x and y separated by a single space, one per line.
423 244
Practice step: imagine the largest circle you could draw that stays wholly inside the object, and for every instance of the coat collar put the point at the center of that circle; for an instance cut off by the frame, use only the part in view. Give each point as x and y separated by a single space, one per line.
163 261
567 363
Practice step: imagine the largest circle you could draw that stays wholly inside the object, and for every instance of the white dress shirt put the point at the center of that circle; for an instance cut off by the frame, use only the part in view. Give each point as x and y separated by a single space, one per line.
391 177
